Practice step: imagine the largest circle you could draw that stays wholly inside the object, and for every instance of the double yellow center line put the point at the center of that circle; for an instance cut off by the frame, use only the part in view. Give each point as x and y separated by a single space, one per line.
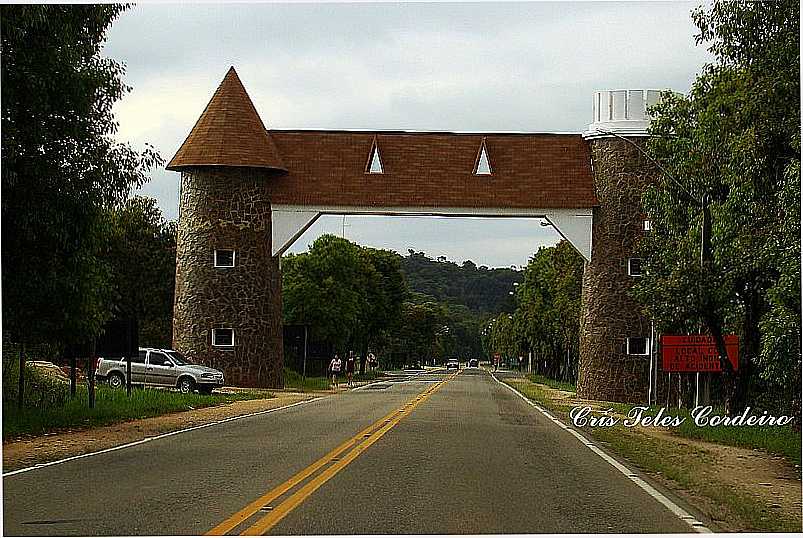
332 463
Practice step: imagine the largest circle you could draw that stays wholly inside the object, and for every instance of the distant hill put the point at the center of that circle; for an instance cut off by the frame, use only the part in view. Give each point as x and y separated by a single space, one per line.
481 289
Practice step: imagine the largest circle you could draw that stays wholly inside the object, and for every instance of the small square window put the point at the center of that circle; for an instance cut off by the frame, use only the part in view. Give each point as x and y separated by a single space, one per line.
638 346
224 258
647 225
634 267
223 337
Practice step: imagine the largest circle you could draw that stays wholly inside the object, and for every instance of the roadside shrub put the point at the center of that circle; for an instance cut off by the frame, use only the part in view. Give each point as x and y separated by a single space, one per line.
41 391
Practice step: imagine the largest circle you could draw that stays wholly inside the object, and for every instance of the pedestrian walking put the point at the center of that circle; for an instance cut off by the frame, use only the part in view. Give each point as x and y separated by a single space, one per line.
521 362
334 369
350 364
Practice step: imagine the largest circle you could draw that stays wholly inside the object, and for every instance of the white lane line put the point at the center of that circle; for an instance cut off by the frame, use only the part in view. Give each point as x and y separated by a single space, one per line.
155 437
651 491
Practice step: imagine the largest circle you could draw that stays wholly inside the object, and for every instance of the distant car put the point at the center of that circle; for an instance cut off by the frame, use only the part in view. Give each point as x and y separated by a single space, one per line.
160 368
452 363
474 363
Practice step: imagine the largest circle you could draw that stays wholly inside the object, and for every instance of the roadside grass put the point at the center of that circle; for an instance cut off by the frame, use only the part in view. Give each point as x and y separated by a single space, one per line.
686 465
111 406
779 440
552 383
537 394
295 381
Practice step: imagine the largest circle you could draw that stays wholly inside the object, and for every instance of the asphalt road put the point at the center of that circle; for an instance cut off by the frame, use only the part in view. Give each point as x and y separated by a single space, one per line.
435 453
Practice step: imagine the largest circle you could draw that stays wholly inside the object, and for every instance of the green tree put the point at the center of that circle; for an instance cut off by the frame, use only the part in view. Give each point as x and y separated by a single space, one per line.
348 295
547 319
481 289
419 338
502 336
736 139
465 328
62 170
143 263
385 289
323 289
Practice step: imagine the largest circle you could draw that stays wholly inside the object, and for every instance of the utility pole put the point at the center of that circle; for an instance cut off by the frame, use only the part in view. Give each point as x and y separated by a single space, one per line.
128 353
90 372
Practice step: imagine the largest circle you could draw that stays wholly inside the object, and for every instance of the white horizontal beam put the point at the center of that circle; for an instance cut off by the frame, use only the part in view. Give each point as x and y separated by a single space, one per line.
290 221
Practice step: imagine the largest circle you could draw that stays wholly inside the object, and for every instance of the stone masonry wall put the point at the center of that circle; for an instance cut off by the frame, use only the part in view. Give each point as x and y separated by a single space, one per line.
228 208
608 315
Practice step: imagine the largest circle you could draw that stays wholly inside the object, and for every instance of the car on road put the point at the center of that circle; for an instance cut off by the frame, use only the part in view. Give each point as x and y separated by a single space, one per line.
452 363
474 363
159 368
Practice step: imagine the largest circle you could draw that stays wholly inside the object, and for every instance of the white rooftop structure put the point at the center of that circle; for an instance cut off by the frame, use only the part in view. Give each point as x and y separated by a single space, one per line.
623 112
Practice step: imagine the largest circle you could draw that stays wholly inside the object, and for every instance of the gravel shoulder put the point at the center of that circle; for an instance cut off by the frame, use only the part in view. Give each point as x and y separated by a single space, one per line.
22 453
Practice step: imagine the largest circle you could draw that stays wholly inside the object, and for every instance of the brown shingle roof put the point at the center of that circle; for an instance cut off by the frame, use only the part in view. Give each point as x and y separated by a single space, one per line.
228 133
422 169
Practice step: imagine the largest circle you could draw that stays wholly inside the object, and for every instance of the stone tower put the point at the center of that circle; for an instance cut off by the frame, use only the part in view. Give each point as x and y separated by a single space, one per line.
227 311
615 341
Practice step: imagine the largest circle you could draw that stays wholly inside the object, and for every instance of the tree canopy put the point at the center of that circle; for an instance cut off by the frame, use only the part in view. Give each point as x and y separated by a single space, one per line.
735 138
142 258
479 288
62 169
348 294
546 320
357 298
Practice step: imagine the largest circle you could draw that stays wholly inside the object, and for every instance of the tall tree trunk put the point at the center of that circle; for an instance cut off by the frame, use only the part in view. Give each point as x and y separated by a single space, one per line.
728 375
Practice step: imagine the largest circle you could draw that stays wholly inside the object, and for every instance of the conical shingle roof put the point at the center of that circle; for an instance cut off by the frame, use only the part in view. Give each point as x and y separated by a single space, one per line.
229 133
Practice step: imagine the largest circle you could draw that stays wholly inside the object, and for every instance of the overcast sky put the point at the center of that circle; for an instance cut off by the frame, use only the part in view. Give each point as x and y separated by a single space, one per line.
460 67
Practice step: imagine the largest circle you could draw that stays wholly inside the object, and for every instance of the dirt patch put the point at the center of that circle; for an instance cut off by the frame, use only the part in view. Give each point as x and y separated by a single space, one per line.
54 446
765 477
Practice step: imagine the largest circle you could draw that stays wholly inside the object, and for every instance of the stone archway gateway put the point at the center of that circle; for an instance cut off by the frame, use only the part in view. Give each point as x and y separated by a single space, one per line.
248 192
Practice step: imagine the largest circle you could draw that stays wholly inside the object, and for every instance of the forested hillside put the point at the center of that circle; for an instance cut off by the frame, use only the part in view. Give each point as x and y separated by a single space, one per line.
408 310
481 289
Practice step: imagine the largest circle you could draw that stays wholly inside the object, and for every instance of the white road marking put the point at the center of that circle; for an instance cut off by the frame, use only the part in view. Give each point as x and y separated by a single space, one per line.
405 379
155 437
651 491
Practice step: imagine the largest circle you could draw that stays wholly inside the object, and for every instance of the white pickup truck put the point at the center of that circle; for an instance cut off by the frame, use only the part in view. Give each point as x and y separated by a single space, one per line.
161 368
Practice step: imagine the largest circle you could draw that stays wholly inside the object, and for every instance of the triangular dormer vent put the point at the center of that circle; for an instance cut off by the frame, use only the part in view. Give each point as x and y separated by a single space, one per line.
374 165
483 165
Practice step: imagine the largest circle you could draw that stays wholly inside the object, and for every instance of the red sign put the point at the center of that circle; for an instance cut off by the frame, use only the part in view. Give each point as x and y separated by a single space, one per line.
696 353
